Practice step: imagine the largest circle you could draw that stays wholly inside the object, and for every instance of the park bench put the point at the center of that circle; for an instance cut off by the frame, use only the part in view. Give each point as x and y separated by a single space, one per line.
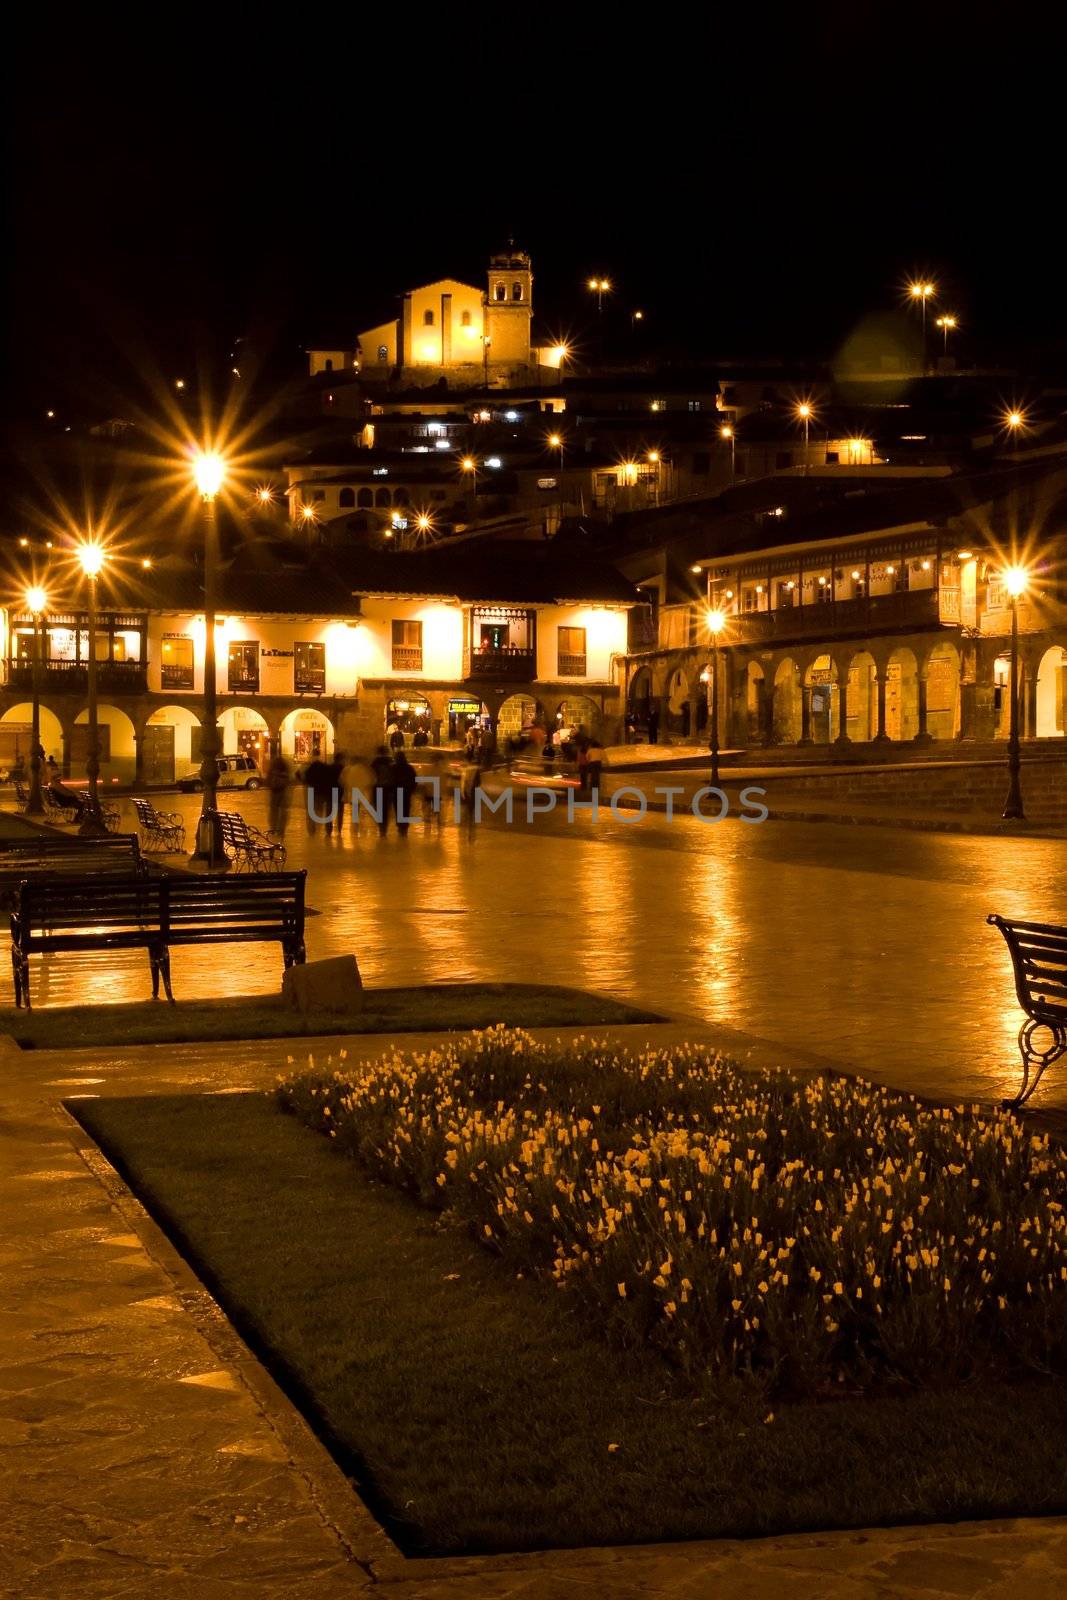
22 795
163 831
248 847
58 812
1039 956
113 912
60 856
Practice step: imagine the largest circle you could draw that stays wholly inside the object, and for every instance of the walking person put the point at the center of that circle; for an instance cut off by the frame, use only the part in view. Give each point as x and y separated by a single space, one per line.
404 786
279 780
382 769
594 765
319 780
336 769
653 725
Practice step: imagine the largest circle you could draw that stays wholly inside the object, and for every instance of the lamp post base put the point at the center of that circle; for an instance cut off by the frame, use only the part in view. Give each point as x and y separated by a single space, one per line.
92 826
209 847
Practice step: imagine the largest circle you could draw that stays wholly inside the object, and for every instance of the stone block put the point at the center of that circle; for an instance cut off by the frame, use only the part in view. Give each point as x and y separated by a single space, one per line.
330 985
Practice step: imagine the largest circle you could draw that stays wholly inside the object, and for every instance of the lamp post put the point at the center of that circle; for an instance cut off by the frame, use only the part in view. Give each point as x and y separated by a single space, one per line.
36 604
556 441
470 466
209 473
93 826
600 287
716 623
1015 422
1015 581
805 412
922 292
947 324
727 432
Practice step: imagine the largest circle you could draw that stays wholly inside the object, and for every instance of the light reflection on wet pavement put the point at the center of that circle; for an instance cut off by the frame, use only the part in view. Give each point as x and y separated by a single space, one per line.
865 945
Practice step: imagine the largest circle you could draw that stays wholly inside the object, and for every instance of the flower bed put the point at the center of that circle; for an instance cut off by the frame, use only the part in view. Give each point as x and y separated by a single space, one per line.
798 1234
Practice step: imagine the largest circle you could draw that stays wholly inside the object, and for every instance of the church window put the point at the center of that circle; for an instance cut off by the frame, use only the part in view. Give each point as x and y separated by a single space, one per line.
427 319
329 364
516 291
347 497
383 498
465 319
383 352
500 292
365 498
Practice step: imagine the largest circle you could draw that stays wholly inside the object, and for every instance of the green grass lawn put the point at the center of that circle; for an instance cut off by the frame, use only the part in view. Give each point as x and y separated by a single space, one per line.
476 1414
417 1010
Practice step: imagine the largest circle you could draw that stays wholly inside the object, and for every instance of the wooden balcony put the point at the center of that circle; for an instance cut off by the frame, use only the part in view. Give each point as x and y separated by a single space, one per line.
72 677
407 658
880 613
510 665
571 666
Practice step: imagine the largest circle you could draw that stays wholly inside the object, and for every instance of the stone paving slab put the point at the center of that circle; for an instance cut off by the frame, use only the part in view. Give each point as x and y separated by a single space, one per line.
144 1452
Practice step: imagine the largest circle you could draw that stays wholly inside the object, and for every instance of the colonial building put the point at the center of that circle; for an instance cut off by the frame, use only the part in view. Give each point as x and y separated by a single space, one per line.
454 331
883 623
316 656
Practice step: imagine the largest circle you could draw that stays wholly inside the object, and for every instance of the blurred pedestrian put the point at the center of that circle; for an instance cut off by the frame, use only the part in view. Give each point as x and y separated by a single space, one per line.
382 770
319 780
404 786
336 767
279 780
594 764
653 725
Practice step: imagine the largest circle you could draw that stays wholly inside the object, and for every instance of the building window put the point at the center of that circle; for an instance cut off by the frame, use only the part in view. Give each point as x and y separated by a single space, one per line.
694 405
347 497
309 667
833 458
500 292
317 495
516 291
365 497
177 663
427 319
383 352
244 665
570 653
328 364
464 319
382 497
407 646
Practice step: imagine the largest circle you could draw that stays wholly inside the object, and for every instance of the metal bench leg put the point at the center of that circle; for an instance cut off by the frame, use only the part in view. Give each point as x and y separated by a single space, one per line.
15 974
1036 1060
164 967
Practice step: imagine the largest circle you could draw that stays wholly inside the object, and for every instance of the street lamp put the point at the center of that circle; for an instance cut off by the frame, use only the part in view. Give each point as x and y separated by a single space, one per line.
209 474
727 432
716 621
91 557
805 412
36 604
922 292
1015 422
600 287
1015 581
635 318
947 324
556 441
469 465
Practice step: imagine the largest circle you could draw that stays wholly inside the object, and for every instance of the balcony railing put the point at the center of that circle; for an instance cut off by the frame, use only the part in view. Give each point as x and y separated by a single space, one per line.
569 666
243 682
72 677
310 680
176 677
407 658
510 665
876 614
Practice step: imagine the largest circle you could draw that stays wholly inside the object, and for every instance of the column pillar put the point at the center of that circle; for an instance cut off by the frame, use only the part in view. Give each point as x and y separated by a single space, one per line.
805 714
138 758
842 708
1029 705
881 737
923 736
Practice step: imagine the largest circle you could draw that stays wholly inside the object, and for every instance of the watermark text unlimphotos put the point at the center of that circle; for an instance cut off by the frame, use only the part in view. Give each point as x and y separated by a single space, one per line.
627 804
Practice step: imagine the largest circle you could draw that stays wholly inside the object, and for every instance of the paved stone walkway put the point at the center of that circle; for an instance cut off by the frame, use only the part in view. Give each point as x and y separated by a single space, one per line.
146 1453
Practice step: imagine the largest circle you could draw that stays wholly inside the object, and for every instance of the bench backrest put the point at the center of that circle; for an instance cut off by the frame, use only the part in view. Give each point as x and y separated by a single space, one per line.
1039 956
267 900
107 901
70 858
233 827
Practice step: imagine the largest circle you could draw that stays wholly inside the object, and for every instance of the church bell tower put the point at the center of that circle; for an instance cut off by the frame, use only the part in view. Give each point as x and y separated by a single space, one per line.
509 308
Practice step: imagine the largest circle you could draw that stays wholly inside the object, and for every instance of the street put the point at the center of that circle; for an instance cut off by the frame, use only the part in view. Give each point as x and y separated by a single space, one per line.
867 946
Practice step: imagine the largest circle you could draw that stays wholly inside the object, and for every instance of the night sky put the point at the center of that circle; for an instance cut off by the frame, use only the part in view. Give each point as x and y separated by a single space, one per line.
756 190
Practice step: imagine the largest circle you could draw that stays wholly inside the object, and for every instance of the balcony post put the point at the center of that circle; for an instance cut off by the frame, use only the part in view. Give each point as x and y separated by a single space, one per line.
881 737
923 735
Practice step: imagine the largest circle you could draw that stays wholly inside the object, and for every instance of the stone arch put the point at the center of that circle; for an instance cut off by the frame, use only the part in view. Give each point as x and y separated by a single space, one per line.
754 702
346 499
304 734
412 713
578 710
862 698
517 714
678 714
639 698
824 701
365 498
1051 714
786 713
902 694
244 731
170 744
462 711
382 497
942 672
15 744
118 744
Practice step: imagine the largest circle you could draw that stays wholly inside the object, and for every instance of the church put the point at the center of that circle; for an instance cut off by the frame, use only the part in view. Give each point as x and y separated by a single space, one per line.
456 332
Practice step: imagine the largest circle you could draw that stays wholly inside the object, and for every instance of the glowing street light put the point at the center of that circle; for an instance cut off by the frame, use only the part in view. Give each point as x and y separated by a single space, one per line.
209 475
947 324
922 293
91 559
1015 579
716 621
805 412
265 495
36 605
727 432
556 441
600 287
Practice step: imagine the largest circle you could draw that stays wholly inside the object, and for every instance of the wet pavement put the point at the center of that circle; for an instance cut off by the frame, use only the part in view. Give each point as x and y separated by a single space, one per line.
864 945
